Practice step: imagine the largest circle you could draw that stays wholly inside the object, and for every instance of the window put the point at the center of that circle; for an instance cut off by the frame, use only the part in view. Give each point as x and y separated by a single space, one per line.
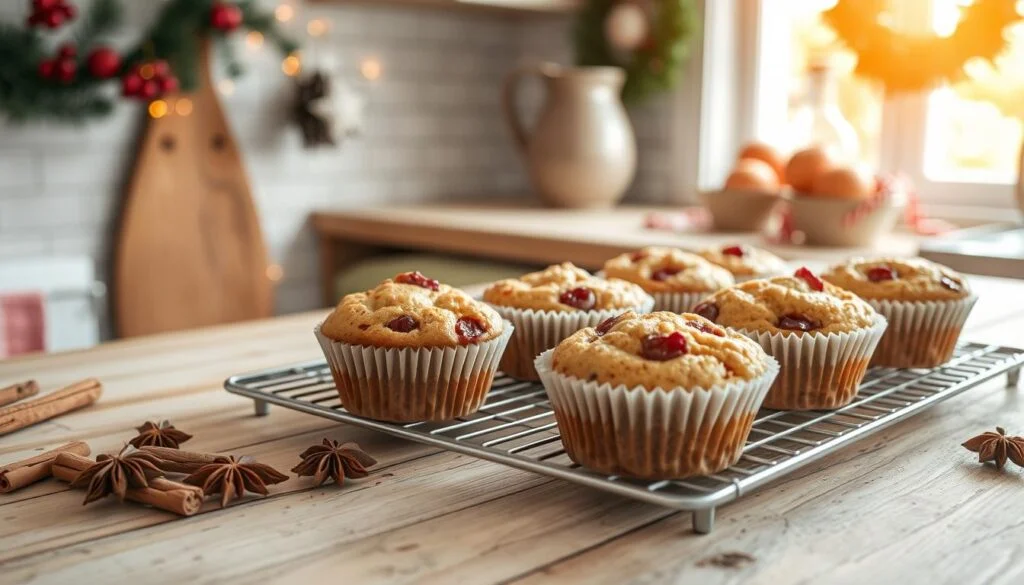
960 144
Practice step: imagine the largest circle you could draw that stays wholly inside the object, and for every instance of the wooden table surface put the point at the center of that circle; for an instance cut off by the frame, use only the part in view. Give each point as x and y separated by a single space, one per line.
907 505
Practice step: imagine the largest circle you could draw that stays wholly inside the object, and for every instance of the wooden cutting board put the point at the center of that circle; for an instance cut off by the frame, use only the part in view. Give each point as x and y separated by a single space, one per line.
189 252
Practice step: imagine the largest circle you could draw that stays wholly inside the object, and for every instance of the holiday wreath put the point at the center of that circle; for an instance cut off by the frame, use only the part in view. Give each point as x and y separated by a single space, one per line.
656 64
37 82
905 62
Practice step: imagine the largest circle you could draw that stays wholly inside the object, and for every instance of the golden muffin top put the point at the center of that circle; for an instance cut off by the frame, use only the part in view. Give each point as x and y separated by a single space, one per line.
899 279
745 261
411 310
565 287
800 304
663 270
659 350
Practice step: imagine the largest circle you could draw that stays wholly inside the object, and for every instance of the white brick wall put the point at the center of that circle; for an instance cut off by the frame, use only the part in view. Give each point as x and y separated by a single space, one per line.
433 130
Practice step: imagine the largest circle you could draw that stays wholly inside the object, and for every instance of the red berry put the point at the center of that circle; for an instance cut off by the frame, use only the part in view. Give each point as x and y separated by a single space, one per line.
46 68
706 328
880 273
160 68
810 278
53 19
150 89
103 62
131 85
69 10
950 284
664 274
733 251
580 297
40 5
707 310
403 324
225 17
606 325
468 329
662 348
168 84
65 70
417 278
67 51
797 322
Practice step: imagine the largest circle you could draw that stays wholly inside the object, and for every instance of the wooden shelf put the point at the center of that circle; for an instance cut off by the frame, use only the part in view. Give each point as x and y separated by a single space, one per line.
513 6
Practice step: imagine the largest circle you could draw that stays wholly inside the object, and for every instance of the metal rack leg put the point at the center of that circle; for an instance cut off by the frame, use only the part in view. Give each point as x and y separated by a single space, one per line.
1012 378
703 521
262 407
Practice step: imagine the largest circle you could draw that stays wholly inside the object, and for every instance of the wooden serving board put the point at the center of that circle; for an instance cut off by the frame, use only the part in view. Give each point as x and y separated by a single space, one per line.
190 252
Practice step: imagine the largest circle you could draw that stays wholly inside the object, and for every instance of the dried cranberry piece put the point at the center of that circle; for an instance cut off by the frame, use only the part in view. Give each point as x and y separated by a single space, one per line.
606 325
468 329
708 310
637 256
880 273
580 297
706 328
797 322
417 279
663 347
950 284
733 251
664 273
810 278
403 324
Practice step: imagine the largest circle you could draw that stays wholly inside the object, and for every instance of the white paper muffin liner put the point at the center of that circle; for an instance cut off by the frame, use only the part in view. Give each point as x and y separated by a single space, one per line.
653 433
539 331
921 334
413 384
819 371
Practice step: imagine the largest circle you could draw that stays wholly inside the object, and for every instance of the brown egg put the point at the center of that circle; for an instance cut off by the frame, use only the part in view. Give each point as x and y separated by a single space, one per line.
753 175
805 166
845 182
767 153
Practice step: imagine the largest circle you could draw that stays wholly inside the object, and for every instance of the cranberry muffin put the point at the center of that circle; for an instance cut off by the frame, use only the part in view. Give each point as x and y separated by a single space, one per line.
925 303
412 349
656 396
823 336
552 304
676 279
745 262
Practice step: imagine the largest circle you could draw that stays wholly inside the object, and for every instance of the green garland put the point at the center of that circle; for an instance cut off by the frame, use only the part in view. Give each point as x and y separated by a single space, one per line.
175 36
654 67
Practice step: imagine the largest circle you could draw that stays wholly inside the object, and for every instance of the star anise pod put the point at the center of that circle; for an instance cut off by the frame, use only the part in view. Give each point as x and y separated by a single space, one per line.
114 474
161 434
997 447
335 461
231 477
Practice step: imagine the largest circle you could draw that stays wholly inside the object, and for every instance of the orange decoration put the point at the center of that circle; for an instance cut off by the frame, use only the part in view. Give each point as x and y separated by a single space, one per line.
846 183
805 166
905 62
768 154
753 175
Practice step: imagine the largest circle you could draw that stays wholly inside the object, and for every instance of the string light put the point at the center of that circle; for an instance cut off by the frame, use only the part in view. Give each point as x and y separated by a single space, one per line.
370 68
157 108
316 27
254 39
284 12
291 65
183 107
275 273
226 86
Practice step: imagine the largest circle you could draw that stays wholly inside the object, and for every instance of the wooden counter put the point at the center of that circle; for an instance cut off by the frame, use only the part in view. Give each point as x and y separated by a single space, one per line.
907 505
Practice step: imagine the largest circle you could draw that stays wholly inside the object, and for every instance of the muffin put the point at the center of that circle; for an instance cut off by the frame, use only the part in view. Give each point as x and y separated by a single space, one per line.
656 396
676 279
550 305
745 262
822 335
412 349
925 303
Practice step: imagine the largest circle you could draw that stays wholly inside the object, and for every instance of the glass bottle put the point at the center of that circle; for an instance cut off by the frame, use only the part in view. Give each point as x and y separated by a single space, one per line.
820 122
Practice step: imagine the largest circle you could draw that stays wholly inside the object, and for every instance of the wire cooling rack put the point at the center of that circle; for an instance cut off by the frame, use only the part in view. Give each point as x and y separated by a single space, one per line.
516 425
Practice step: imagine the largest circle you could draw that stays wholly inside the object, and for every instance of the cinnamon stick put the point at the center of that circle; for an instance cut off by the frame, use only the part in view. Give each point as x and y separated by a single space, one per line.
178 461
19 474
75 396
162 493
19 391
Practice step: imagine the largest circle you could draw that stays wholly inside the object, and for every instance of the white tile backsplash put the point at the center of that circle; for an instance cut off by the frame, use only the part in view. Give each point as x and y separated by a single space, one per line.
433 131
